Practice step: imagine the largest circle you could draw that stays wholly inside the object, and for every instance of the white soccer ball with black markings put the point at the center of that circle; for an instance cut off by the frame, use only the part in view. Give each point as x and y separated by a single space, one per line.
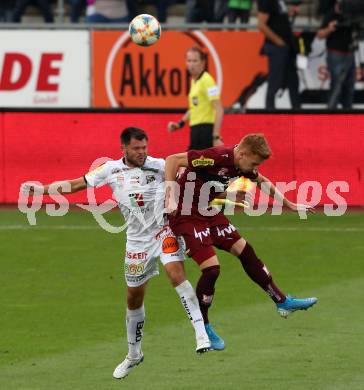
145 30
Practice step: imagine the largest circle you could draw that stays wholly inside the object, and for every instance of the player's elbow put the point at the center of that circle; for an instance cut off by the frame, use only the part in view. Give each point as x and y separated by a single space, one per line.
171 160
176 161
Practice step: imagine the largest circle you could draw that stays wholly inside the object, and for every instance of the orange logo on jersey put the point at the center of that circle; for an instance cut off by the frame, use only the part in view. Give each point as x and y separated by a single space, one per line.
170 245
203 162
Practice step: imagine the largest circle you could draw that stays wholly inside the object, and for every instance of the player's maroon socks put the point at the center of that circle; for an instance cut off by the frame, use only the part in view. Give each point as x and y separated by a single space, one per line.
258 272
205 289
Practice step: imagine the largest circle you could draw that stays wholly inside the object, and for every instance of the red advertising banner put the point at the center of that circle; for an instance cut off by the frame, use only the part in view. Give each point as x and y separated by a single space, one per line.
127 75
54 146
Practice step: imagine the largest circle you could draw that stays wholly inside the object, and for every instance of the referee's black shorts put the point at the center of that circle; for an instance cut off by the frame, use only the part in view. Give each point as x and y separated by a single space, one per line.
201 136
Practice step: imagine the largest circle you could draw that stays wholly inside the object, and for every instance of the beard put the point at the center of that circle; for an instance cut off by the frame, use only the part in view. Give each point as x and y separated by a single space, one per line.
134 161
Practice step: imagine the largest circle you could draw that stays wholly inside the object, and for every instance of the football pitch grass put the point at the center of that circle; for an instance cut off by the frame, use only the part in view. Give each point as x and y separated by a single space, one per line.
62 299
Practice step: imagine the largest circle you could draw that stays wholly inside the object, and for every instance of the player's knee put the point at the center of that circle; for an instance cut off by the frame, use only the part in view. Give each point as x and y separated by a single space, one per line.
175 272
176 278
238 247
212 273
135 303
135 299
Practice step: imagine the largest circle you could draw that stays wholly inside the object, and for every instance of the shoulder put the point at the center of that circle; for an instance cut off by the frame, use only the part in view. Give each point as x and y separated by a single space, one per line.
104 168
206 78
113 166
219 155
155 163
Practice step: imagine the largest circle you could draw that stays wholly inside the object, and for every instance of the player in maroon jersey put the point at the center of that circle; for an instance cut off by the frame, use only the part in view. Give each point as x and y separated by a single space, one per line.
202 227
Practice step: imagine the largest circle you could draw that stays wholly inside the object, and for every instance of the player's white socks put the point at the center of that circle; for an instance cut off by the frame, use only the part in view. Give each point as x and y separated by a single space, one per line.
134 328
190 303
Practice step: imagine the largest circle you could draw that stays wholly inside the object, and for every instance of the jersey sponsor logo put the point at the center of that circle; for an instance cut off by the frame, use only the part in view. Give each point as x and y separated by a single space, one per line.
134 269
165 232
136 200
135 278
203 162
150 178
195 100
203 233
115 170
135 180
226 230
170 245
136 255
120 179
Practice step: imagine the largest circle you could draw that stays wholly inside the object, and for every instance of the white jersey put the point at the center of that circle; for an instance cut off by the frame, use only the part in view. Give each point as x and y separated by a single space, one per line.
139 192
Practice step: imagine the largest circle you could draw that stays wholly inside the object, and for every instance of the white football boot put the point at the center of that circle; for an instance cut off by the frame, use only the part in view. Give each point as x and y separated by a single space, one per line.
203 344
122 370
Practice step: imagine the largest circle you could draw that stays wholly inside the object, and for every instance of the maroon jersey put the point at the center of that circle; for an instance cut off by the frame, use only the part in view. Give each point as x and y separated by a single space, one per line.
214 166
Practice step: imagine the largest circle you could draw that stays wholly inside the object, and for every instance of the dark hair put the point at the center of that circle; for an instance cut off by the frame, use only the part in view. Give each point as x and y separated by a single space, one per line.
202 54
132 132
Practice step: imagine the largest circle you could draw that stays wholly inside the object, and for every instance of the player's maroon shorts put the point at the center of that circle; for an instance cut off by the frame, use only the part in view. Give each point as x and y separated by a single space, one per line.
202 234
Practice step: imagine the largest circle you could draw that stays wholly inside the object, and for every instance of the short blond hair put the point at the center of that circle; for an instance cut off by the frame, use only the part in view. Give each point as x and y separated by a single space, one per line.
256 144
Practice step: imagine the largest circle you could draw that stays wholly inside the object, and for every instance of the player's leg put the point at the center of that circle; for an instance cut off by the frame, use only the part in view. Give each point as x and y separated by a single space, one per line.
187 295
225 236
205 290
259 273
135 317
198 245
140 266
172 258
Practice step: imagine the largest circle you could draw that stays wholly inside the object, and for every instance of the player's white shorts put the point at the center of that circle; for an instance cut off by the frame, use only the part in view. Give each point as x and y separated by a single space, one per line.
141 256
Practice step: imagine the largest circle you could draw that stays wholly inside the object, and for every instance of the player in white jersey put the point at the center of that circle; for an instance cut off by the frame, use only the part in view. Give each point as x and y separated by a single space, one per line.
137 181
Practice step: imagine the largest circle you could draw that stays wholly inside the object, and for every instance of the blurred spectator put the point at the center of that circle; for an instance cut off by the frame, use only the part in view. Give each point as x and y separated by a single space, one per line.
77 7
198 11
110 11
6 10
324 6
162 8
340 57
281 48
239 9
43 5
220 10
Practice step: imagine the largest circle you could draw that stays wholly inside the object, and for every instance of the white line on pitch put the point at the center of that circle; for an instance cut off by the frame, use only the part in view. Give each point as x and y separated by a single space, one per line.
241 228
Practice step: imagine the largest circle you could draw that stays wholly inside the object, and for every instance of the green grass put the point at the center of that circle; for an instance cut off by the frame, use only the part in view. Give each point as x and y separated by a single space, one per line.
62 302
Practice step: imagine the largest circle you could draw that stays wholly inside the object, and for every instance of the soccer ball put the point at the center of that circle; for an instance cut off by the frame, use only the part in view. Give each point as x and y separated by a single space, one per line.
145 30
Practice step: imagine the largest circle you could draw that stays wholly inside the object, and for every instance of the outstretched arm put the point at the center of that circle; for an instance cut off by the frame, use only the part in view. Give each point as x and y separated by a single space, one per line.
172 126
270 189
58 187
173 163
